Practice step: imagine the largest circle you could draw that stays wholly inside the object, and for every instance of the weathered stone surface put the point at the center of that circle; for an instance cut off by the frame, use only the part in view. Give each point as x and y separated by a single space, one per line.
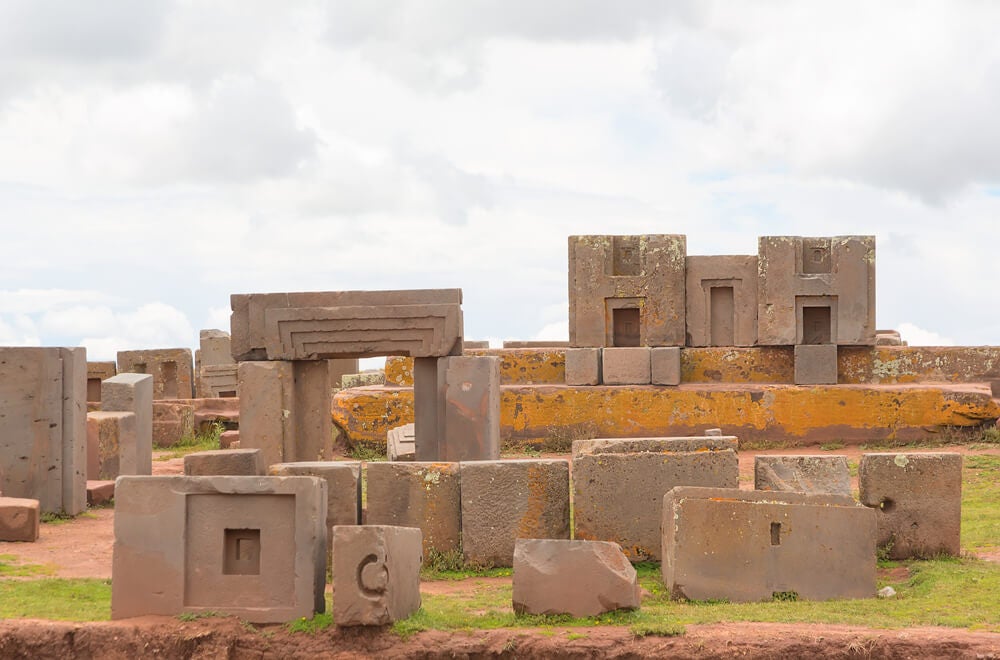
400 445
111 447
798 416
218 380
618 497
216 347
172 370
133 393
346 324
749 545
888 338
420 494
227 438
19 519
918 501
252 547
535 343
339 369
655 445
343 486
474 344
100 492
96 372
816 364
363 379
172 422
626 366
665 365
231 462
469 407
376 574
583 366
801 277
803 474
626 290
721 300
512 499
43 427
528 366
579 578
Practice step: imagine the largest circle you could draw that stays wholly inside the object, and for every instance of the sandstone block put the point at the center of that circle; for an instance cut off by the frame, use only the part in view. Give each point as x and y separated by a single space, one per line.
218 380
469 406
665 365
19 519
583 366
918 501
172 370
579 578
655 445
376 574
363 379
133 393
420 494
172 422
97 372
232 462
227 438
112 447
343 486
216 347
100 492
803 474
816 364
626 366
721 300
252 547
512 499
400 445
619 497
749 545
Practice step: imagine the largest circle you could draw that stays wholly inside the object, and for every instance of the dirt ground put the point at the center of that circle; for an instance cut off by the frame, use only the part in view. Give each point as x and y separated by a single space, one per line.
83 547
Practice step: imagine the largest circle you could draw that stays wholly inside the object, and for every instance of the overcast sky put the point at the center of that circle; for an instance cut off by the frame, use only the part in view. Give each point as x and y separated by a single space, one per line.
157 156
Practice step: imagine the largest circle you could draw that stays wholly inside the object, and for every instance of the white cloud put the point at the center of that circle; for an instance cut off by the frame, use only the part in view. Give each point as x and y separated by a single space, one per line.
915 336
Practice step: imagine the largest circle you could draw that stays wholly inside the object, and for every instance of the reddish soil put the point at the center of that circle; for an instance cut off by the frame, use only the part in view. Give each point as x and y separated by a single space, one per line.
82 548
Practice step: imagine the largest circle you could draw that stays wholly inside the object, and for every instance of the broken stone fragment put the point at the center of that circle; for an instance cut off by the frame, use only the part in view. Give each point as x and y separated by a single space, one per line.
579 578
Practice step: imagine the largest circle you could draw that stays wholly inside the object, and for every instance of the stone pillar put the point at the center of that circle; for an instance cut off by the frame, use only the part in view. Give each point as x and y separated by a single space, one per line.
469 407
133 393
425 408
74 429
266 420
311 402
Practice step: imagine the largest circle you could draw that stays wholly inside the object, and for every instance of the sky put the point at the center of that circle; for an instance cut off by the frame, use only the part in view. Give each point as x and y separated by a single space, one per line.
158 156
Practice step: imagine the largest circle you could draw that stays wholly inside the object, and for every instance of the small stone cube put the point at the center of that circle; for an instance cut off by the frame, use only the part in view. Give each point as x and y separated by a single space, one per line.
376 574
626 366
19 519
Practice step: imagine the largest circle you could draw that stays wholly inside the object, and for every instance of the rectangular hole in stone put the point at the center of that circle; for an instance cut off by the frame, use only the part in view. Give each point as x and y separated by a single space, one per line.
816 257
625 326
168 370
228 394
775 533
816 325
139 368
722 316
93 389
241 552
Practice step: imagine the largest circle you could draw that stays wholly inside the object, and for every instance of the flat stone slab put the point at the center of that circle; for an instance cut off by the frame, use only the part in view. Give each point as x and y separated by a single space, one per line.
654 445
579 578
752 546
425 495
918 501
803 474
100 492
512 499
376 574
400 443
231 462
19 519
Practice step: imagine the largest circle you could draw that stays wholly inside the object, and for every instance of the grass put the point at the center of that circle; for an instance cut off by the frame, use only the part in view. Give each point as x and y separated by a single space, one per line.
56 599
11 567
202 441
832 446
981 502
367 451
60 518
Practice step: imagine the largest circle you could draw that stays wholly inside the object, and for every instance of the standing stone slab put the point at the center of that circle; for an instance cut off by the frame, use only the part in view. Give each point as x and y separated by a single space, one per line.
172 370
232 462
19 519
343 481
376 574
583 366
266 422
43 426
626 366
111 446
665 365
803 474
469 401
252 547
722 300
750 546
579 578
133 393
420 494
918 501
619 496
655 445
513 499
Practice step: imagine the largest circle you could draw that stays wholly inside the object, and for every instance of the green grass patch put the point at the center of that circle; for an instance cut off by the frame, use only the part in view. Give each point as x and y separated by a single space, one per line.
311 626
981 502
202 441
56 599
10 566
451 565
832 446
60 518
367 451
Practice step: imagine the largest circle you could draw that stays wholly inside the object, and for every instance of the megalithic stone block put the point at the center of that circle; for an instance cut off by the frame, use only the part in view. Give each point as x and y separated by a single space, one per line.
111 446
97 372
803 474
172 370
918 501
266 403
343 481
346 324
216 347
583 366
376 574
19 519
469 405
816 364
252 547
231 462
579 578
419 494
722 300
512 499
727 543
133 393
